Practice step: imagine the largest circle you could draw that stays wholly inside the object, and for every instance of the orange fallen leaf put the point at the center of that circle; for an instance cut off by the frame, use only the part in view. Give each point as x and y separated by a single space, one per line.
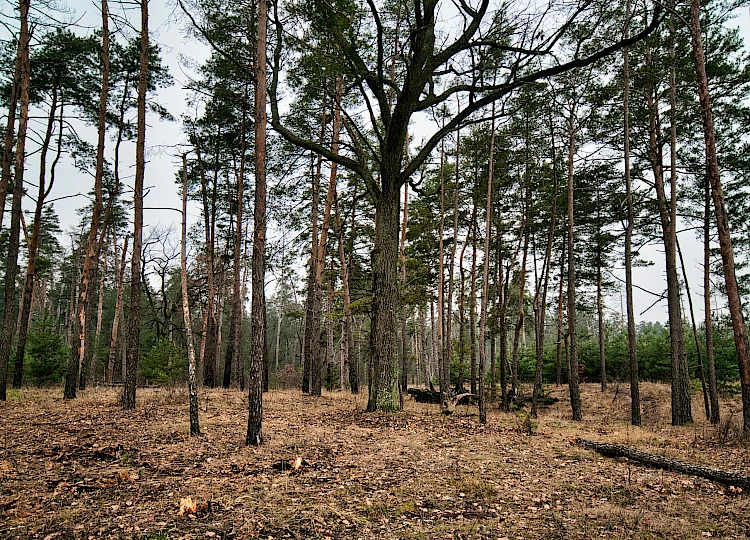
187 507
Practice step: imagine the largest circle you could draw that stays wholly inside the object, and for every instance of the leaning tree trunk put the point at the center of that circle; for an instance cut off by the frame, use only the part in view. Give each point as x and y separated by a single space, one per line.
11 269
134 317
725 239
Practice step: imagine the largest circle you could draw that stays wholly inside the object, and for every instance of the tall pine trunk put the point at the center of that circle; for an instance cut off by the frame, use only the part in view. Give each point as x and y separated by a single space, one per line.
540 302
722 223
78 358
709 325
134 317
635 394
195 429
486 276
232 354
11 269
114 341
33 248
444 371
681 405
575 392
258 303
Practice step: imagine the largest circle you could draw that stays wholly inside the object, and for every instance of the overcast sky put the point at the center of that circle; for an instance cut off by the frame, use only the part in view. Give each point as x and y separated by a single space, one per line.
168 30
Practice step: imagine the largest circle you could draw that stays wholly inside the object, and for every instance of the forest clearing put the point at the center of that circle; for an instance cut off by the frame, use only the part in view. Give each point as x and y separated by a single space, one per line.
88 469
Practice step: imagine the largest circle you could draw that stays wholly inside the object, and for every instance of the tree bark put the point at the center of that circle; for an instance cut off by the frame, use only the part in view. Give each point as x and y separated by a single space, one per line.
134 317
575 393
519 327
599 301
195 429
78 357
540 303
232 355
316 365
347 337
33 248
313 304
694 327
404 337
258 303
11 269
473 305
444 370
208 343
722 223
15 91
114 341
560 334
681 405
728 478
486 275
635 394
709 325
383 383
452 265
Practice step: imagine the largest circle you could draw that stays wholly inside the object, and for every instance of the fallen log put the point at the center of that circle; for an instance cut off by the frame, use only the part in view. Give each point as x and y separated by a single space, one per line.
728 478
432 396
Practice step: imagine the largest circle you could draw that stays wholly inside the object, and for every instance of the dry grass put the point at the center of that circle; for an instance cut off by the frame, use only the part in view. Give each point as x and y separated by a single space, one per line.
86 469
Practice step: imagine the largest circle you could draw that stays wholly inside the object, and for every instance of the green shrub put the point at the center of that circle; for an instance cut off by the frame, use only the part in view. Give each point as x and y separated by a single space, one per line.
46 352
164 363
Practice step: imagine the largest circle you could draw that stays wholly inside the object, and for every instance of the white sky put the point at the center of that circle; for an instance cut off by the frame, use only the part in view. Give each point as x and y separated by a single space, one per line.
162 138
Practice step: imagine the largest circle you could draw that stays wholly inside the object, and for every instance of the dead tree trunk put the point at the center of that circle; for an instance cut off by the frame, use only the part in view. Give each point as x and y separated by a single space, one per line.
195 429
727 478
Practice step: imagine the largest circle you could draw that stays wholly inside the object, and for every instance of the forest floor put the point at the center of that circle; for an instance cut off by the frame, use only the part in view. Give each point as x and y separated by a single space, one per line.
87 469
